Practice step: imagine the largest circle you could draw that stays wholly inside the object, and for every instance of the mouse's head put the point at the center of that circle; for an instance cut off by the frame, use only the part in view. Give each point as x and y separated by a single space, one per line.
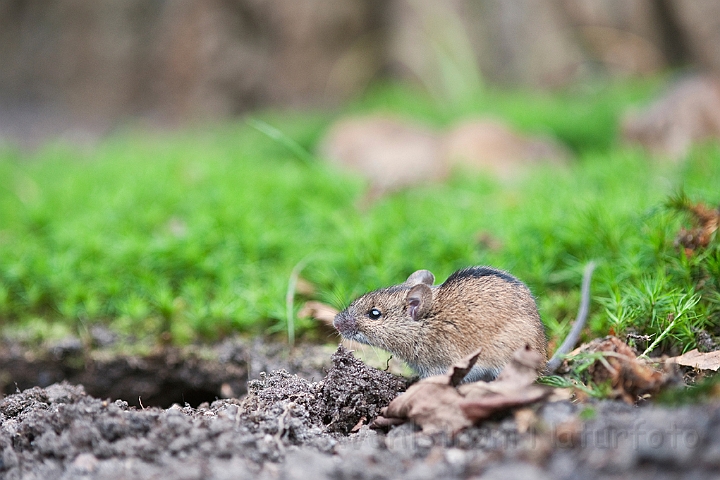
385 317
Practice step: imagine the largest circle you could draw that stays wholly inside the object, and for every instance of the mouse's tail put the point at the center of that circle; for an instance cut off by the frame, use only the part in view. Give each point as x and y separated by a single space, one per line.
574 335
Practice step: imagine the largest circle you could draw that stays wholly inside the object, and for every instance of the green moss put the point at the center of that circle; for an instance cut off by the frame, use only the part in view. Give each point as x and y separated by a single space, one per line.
196 233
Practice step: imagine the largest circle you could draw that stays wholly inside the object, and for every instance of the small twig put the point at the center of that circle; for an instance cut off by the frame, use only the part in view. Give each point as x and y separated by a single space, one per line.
140 402
579 323
691 302
659 338
387 365
607 365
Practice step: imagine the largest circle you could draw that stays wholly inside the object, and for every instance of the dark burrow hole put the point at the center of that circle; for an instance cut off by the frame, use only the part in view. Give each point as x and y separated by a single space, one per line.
161 379
168 395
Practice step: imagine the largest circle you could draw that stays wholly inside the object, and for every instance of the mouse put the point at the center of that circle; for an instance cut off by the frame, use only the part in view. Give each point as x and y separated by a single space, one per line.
431 327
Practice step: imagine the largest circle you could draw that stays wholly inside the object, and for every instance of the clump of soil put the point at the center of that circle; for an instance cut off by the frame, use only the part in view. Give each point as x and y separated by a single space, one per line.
354 393
351 393
59 430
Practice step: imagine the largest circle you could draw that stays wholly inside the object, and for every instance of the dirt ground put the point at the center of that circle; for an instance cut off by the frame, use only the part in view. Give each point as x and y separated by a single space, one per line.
315 425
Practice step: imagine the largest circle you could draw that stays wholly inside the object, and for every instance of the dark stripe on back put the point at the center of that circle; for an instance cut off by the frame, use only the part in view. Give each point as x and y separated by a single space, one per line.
478 272
393 289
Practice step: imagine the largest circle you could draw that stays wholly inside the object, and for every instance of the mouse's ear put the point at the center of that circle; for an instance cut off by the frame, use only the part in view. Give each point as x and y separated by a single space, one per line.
418 301
421 276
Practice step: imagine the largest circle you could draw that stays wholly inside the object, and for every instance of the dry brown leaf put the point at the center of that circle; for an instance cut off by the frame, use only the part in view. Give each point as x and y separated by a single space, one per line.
705 223
523 368
513 387
629 376
304 287
381 422
359 424
698 360
458 371
521 372
484 407
318 311
432 404
436 404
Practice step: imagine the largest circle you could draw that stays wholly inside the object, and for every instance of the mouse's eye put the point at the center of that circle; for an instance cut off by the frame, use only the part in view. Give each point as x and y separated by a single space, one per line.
374 313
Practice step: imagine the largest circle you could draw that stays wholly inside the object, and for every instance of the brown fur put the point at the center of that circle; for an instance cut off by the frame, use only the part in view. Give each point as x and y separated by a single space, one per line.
475 307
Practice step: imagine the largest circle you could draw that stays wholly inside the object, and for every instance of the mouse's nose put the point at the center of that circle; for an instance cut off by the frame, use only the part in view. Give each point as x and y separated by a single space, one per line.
345 324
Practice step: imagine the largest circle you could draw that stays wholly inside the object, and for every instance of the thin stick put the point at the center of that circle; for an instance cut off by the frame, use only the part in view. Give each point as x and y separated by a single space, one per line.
579 324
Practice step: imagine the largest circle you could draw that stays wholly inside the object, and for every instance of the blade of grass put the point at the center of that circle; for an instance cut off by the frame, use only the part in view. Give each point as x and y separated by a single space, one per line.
290 298
280 137
684 308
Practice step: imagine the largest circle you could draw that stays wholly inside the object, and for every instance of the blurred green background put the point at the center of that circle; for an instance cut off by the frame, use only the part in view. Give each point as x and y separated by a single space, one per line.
178 218
196 232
